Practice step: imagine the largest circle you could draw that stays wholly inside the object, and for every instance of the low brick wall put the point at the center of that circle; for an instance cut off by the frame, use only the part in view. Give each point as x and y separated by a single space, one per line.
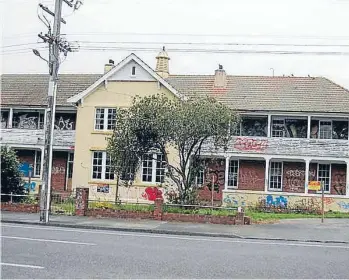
193 218
123 214
20 207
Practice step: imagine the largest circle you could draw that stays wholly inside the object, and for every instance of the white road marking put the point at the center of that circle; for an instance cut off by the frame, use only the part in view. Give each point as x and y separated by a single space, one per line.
22 265
48 240
165 236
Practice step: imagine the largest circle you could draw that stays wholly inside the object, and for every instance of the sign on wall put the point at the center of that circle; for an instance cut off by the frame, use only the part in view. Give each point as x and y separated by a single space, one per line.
103 188
314 186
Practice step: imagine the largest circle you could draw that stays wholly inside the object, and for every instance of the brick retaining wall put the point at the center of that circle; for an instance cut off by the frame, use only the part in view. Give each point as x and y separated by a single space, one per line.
20 207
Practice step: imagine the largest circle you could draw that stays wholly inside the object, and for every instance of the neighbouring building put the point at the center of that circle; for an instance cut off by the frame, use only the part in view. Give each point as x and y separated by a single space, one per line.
23 115
293 130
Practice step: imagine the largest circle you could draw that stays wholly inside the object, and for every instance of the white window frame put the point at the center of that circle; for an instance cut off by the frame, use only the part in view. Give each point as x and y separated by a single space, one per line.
329 173
105 118
277 130
68 169
104 160
36 158
153 170
200 175
329 121
237 173
270 175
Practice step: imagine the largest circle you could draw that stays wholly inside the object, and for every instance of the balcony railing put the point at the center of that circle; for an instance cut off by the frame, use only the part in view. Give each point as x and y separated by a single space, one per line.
284 146
61 138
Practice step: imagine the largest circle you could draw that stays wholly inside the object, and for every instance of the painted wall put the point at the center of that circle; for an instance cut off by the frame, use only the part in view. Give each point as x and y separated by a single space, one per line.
116 94
132 194
253 199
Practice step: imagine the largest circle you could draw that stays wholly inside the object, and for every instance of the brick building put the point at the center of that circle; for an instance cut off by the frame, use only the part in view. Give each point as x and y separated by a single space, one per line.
293 130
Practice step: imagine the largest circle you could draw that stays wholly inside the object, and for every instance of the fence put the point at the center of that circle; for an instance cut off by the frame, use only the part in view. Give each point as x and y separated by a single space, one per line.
61 203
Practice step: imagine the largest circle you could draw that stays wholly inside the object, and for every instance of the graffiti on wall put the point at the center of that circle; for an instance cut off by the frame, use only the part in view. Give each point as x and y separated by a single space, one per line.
64 124
339 182
25 122
235 200
250 144
295 179
152 193
58 170
276 201
29 187
343 205
250 177
25 168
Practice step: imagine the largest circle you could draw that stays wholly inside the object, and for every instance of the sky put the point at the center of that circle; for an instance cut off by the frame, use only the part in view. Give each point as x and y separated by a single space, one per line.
186 27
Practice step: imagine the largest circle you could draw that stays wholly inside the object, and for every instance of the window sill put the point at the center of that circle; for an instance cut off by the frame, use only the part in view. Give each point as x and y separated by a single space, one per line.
102 182
229 188
105 132
274 190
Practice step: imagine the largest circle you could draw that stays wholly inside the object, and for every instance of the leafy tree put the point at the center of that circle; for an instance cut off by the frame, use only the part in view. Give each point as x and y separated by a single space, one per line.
11 180
170 126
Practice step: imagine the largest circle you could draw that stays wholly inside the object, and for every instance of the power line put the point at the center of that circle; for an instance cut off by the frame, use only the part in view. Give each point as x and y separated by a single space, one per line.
214 43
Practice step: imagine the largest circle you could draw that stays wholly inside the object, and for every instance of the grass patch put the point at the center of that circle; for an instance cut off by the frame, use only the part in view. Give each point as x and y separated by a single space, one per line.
125 207
200 211
263 216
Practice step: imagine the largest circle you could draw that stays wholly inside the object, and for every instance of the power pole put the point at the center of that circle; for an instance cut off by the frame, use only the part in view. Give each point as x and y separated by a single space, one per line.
56 46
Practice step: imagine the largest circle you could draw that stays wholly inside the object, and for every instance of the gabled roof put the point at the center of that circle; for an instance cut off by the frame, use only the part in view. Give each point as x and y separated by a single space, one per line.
115 69
262 93
31 89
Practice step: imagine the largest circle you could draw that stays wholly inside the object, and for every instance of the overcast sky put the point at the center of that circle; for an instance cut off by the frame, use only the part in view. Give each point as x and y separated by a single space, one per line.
305 22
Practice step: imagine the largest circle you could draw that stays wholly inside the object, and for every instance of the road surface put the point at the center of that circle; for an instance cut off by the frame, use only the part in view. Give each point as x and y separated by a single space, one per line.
47 252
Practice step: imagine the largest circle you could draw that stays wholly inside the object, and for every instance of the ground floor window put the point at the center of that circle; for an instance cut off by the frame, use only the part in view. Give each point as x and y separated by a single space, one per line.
275 175
233 174
37 164
153 168
324 175
102 166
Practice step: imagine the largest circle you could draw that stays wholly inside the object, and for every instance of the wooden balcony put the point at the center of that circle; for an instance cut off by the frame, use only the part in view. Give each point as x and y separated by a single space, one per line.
62 138
283 146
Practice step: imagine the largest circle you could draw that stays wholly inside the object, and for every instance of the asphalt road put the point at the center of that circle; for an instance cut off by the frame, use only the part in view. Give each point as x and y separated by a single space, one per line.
46 252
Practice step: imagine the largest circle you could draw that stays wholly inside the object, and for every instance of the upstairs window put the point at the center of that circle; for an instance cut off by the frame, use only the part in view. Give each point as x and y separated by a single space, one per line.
329 129
28 120
133 71
254 126
4 119
289 127
105 118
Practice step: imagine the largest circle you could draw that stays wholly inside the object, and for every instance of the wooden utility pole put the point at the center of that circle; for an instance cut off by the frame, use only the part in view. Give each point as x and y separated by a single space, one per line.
56 46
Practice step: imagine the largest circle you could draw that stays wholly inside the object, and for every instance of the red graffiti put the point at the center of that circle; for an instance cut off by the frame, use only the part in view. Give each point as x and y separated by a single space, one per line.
152 193
250 144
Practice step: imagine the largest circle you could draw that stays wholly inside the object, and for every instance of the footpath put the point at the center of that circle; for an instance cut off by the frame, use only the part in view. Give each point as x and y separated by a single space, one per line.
300 230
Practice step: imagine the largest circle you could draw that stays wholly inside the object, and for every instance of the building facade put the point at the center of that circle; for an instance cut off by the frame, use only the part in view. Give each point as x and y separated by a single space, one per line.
293 130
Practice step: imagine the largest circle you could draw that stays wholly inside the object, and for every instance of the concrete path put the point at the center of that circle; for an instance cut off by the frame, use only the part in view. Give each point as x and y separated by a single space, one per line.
311 230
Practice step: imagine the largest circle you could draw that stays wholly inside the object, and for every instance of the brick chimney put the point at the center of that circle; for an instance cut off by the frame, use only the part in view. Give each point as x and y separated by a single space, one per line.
162 64
220 77
108 66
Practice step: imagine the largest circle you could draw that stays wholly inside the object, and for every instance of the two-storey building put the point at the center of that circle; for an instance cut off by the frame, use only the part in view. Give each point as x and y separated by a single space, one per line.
293 130
23 116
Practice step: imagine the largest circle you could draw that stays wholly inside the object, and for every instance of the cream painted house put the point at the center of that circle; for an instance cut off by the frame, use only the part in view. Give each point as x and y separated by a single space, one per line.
96 110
